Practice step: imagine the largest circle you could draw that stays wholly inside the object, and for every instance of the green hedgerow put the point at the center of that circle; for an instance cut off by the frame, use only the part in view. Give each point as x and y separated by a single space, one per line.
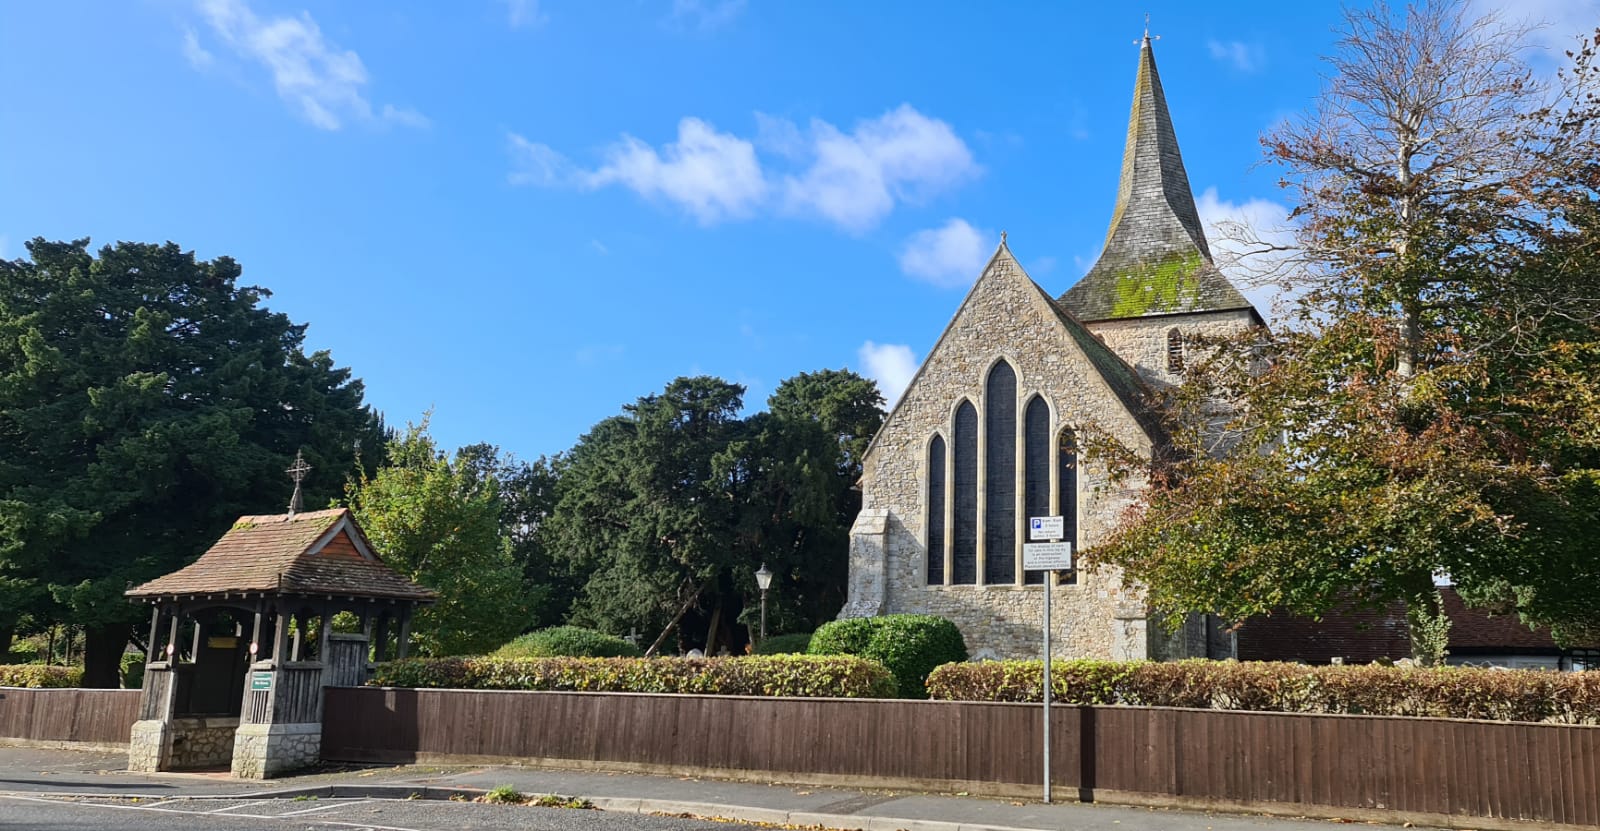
567 642
838 676
39 675
784 644
1437 692
911 646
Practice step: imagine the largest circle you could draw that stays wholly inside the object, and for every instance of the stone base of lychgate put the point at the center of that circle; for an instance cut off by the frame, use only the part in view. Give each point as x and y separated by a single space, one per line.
181 744
148 746
262 751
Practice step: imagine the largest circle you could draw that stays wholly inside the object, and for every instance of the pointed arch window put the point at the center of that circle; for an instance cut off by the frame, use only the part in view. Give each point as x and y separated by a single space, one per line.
1000 476
1067 490
1174 351
964 537
1036 469
936 502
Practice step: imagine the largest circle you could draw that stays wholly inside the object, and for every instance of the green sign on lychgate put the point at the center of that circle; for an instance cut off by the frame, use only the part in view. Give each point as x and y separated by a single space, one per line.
260 680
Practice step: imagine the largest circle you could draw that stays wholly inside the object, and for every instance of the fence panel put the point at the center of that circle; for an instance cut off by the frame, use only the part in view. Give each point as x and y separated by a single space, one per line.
1536 772
68 715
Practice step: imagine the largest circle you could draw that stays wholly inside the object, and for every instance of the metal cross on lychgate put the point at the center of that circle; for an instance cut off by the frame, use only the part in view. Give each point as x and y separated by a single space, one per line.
297 471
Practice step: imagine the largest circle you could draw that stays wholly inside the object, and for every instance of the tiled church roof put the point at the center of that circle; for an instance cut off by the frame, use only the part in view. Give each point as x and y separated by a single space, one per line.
310 553
1156 260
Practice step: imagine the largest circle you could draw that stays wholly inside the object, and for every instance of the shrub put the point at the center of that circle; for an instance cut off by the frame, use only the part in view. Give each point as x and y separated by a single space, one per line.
569 642
22 652
39 675
766 675
784 644
910 646
132 671
1442 692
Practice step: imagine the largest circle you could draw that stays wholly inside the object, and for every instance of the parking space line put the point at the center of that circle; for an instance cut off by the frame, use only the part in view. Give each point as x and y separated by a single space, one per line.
326 807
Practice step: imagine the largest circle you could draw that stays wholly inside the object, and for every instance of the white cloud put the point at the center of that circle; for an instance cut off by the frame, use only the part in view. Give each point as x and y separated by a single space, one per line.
857 177
194 53
599 248
950 255
1245 57
704 15
598 353
533 163
1559 22
405 116
851 179
712 175
323 83
892 365
524 14
1251 242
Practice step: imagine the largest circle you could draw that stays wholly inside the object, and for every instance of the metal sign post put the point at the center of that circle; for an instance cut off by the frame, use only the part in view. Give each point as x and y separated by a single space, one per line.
1047 557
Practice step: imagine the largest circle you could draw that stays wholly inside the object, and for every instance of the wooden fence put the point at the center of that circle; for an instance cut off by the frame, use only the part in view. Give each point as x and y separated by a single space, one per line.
103 717
1357 765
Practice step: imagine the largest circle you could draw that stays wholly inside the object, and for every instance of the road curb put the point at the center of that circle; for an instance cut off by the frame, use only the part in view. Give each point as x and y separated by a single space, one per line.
610 804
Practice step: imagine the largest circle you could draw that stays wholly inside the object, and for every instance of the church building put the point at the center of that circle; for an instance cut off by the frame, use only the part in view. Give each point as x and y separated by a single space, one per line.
986 435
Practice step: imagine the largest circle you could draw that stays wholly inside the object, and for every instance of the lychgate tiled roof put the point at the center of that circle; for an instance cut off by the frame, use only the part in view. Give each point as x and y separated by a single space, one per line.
312 553
1156 260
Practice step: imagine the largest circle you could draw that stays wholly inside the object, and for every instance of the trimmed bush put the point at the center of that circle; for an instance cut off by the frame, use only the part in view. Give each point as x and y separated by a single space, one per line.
567 642
784 644
1444 692
909 645
39 675
765 675
132 671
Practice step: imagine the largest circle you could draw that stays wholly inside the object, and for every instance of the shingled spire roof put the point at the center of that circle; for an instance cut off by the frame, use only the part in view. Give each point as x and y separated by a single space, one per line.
1155 261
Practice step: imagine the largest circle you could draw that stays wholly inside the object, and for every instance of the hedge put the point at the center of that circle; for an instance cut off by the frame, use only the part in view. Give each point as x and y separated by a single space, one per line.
1444 692
39 675
766 675
784 644
909 645
567 641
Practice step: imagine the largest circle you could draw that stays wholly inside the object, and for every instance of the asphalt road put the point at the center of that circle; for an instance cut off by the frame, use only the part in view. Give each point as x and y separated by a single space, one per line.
45 813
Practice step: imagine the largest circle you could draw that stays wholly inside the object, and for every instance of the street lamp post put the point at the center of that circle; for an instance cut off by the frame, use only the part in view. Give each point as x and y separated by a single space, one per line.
764 581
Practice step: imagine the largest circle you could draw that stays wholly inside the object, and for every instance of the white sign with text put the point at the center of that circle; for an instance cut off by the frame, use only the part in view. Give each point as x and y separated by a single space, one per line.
1047 556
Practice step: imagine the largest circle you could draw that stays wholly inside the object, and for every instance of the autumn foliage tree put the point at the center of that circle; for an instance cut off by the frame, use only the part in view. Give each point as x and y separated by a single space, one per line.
1428 407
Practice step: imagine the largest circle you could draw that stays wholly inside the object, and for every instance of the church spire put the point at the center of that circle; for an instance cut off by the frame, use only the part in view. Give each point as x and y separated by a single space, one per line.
1155 260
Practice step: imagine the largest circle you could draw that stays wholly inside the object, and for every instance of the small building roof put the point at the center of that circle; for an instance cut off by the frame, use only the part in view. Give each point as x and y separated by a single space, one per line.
1156 260
310 553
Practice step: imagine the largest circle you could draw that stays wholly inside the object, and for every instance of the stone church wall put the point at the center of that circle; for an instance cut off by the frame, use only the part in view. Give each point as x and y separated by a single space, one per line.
1142 342
1004 317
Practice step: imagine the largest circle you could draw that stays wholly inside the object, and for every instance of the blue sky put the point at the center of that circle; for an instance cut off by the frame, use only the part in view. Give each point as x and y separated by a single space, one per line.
526 214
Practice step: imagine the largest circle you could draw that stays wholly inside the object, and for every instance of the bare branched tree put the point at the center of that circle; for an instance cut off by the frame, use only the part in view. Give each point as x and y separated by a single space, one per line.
1429 163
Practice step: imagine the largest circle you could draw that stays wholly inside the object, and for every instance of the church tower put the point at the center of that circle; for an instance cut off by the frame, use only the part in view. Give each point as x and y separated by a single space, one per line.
1155 284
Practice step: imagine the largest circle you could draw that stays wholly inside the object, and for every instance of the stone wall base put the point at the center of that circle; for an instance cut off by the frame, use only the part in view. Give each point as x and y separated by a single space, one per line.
181 744
149 746
262 751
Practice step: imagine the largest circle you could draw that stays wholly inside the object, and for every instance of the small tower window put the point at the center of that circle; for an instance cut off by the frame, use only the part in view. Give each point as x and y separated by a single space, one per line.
1174 351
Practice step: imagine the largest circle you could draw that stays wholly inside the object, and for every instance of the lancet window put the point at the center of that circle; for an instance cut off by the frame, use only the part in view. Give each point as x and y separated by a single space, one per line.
936 504
964 548
1000 476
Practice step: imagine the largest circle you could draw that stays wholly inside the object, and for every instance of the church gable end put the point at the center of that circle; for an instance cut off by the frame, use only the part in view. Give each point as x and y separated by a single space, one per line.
971 450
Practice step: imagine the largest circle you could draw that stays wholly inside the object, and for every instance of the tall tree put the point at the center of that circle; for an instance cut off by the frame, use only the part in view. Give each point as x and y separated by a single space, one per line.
644 511
668 509
147 399
437 520
1413 417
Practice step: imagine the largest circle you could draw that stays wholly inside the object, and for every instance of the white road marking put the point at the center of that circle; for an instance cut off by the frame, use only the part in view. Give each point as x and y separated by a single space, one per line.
61 802
227 809
326 807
